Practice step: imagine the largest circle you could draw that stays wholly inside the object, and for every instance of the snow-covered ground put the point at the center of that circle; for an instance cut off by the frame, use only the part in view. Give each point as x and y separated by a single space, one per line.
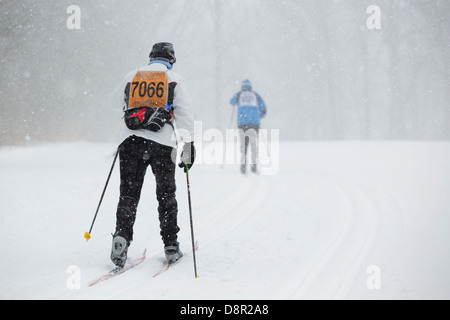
350 220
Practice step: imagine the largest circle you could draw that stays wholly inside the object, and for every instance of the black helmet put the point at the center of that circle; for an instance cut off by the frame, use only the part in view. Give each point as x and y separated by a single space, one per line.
163 51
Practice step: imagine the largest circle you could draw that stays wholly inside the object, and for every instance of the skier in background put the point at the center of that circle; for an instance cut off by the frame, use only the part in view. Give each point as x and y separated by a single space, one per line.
251 109
154 98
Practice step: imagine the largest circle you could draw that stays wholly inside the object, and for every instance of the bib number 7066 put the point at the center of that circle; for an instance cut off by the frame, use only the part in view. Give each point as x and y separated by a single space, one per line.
150 90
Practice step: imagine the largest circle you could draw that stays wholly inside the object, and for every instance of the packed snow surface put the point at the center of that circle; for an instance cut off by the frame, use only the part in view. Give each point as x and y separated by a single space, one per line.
335 220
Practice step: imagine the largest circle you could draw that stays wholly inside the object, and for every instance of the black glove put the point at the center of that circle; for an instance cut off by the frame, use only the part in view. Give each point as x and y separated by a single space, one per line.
187 156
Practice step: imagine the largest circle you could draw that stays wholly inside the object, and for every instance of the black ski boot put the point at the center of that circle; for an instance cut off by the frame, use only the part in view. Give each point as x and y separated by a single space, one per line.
243 168
119 251
173 253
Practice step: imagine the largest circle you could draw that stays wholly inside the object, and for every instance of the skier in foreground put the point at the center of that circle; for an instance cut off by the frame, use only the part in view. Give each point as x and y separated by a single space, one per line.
155 99
251 109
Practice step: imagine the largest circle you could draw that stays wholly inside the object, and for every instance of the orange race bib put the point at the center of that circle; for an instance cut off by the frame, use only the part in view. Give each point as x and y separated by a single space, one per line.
148 89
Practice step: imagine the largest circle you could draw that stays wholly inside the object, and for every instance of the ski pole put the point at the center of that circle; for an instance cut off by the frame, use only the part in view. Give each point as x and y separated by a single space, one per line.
87 235
190 215
225 144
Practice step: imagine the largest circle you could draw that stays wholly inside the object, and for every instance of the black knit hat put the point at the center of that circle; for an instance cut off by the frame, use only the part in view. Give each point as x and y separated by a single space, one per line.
163 51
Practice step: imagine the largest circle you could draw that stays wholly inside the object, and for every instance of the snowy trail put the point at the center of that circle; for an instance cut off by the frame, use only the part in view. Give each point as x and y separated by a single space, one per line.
345 255
308 232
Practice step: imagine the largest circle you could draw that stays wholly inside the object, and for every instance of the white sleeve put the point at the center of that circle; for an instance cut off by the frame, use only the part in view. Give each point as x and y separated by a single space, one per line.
118 95
183 115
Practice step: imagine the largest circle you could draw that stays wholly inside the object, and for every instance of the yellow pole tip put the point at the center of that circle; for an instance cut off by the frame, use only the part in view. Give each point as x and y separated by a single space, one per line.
87 236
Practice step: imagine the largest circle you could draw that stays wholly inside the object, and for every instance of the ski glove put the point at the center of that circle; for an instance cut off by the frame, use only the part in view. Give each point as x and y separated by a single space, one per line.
187 156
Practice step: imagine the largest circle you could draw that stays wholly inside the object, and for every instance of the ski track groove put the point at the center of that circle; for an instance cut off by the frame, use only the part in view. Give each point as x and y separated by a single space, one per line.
333 276
250 197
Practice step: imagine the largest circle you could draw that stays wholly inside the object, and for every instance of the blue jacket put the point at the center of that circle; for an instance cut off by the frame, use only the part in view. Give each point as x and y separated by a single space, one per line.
251 107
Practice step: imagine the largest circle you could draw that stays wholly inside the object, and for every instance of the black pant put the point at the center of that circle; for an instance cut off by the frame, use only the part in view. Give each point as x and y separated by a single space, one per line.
136 154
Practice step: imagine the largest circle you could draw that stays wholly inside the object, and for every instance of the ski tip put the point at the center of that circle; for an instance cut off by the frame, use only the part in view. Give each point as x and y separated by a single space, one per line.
87 236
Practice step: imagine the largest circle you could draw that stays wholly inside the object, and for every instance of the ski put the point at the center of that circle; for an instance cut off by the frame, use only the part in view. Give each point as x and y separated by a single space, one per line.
167 265
118 270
